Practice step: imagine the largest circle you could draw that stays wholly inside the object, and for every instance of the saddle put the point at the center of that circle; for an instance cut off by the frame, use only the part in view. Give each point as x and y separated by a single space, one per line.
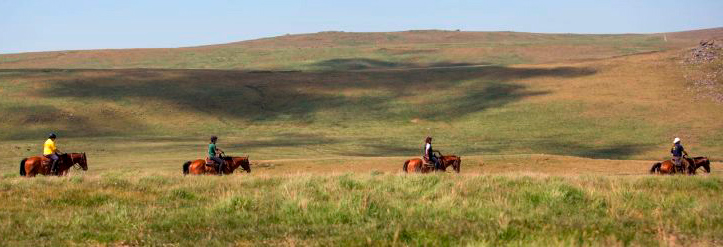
210 162
427 162
684 163
45 162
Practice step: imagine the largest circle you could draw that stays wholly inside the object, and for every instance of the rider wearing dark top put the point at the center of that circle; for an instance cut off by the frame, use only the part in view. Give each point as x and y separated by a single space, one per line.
429 153
678 151
213 154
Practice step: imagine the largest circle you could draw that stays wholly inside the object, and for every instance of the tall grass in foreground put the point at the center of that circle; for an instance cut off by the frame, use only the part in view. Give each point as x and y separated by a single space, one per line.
349 209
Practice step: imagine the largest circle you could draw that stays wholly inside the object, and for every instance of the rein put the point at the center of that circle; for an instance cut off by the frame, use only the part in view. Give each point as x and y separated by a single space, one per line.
76 165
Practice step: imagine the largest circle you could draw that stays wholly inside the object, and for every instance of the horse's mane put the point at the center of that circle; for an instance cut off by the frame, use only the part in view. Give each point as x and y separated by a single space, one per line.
707 161
229 158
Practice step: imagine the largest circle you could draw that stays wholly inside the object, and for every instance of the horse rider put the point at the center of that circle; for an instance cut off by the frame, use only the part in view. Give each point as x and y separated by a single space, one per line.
214 154
429 153
51 152
678 151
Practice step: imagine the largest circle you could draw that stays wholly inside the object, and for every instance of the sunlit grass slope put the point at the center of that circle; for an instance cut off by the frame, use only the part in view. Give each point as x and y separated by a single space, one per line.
327 142
620 108
343 50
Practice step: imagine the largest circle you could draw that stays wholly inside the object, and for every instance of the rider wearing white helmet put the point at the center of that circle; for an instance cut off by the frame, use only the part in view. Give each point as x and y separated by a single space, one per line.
678 151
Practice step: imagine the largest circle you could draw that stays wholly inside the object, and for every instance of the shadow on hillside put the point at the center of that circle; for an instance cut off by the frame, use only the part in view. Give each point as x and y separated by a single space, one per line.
36 121
283 140
366 63
349 96
379 150
391 150
579 149
243 147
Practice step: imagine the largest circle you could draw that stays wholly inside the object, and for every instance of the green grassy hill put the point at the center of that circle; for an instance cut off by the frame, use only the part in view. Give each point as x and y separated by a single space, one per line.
621 108
615 107
329 127
369 50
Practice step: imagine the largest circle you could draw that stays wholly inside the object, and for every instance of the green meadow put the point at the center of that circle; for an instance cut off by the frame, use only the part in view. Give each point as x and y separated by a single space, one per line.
141 208
557 133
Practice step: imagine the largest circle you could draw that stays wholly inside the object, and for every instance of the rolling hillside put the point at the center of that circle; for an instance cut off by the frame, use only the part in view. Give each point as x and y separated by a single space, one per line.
353 105
617 108
556 132
342 50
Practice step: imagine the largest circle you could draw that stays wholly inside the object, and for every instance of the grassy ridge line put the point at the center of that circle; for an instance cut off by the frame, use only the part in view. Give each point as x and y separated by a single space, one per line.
341 51
117 208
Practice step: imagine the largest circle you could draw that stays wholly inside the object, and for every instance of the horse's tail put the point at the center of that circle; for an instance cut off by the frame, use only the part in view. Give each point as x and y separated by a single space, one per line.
656 167
185 167
22 167
406 163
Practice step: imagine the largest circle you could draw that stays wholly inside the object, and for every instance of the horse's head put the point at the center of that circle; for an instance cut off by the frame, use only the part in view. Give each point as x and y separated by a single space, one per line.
451 160
456 162
80 159
84 162
243 162
702 161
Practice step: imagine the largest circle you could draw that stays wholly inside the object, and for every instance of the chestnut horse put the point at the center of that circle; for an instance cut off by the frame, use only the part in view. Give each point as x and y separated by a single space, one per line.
417 165
697 163
198 167
667 166
32 166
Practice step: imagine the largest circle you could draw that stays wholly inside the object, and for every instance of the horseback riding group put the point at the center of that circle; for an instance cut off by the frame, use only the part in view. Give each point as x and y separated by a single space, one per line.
55 163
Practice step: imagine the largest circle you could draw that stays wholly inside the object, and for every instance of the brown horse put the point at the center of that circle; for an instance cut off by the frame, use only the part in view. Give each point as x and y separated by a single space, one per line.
198 167
697 163
691 165
417 165
32 166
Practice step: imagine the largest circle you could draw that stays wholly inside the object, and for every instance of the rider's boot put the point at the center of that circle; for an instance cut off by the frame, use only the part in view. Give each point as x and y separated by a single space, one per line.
219 169
54 167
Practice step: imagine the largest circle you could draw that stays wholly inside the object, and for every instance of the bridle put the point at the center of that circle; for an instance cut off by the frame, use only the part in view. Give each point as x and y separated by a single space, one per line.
76 165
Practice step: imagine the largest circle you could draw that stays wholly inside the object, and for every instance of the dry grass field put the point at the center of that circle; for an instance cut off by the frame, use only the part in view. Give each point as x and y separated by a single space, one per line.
557 134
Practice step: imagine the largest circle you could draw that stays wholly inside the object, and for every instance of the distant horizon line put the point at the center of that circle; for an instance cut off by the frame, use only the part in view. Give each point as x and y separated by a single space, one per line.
362 32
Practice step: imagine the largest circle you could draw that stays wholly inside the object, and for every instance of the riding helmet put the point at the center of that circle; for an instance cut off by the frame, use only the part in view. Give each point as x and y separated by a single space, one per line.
52 135
676 140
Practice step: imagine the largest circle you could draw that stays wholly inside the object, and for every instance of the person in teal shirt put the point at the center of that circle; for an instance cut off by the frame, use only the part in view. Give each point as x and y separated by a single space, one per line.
214 154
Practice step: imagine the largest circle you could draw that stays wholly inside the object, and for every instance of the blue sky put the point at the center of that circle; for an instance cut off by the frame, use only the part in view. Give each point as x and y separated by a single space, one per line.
34 25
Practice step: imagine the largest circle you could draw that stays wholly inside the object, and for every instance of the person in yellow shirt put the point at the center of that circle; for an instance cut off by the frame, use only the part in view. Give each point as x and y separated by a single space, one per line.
50 151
